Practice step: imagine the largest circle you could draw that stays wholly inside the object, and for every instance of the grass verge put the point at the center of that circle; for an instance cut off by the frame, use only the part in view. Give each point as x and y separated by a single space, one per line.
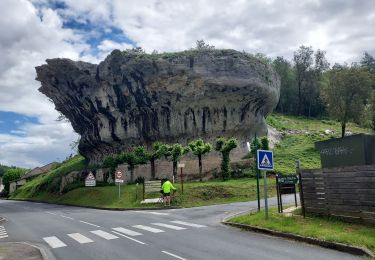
324 228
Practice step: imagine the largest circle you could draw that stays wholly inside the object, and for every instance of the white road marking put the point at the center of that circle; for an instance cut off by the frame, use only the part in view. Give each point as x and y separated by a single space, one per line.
104 234
80 238
152 212
88 223
151 229
168 226
66 217
135 240
51 213
188 224
126 231
3 232
175 256
54 242
4 236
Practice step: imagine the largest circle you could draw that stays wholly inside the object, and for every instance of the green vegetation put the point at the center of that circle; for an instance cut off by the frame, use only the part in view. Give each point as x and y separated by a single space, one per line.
50 182
195 194
199 148
11 174
325 228
299 136
224 146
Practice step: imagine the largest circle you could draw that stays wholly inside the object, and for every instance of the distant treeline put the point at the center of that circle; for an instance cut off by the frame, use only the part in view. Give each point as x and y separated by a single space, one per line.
311 87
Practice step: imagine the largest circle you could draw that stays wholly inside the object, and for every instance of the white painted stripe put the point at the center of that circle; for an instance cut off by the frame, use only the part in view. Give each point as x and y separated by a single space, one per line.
151 229
3 233
175 256
135 240
88 223
168 226
3 236
126 231
66 217
54 242
188 224
80 238
104 234
51 213
152 212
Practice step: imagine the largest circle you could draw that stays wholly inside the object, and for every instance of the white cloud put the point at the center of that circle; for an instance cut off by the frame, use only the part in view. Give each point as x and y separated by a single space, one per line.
30 32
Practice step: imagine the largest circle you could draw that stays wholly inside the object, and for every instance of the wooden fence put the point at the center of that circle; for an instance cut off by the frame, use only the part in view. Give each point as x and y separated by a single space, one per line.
347 192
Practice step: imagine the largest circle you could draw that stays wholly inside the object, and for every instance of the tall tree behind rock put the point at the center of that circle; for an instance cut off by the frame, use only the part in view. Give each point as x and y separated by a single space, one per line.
368 62
345 93
288 102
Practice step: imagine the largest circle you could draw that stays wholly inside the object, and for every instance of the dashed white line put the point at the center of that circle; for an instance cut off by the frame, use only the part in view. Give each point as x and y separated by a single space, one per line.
153 213
4 236
175 256
188 224
80 238
135 240
51 213
88 223
104 234
150 229
66 217
126 231
54 242
168 226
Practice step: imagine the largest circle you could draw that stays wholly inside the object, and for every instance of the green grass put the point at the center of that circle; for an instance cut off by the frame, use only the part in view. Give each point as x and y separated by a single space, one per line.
195 194
324 228
299 136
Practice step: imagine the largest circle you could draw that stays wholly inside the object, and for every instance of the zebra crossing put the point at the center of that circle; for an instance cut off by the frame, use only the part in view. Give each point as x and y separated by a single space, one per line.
136 230
3 232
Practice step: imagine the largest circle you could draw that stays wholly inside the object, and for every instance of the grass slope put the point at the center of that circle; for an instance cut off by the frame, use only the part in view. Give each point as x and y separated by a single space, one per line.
324 228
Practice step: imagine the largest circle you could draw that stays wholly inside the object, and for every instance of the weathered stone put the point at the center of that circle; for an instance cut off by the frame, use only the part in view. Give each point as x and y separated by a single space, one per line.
131 99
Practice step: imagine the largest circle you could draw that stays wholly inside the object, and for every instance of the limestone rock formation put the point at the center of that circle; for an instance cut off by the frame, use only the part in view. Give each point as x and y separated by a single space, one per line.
136 98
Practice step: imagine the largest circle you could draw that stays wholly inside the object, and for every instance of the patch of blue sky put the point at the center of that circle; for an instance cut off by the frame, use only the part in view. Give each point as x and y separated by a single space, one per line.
12 123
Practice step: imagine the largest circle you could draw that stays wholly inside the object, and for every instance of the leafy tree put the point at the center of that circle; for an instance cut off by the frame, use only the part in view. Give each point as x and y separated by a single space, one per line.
345 93
265 143
153 155
174 152
10 175
225 146
368 62
199 148
201 45
132 159
288 101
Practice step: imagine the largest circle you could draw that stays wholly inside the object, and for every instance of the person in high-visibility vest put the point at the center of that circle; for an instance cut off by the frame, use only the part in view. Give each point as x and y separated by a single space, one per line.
167 187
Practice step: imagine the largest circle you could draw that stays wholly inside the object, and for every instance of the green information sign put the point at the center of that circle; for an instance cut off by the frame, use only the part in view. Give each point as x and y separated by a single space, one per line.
287 179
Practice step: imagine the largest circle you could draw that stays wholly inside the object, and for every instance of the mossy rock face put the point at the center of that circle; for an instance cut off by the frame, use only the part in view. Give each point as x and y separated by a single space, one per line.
137 98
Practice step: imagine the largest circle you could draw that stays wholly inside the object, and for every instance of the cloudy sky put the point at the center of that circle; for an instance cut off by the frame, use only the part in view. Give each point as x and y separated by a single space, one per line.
34 30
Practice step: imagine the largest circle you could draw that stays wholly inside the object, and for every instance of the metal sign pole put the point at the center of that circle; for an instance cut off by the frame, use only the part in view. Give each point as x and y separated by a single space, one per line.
119 191
257 171
265 194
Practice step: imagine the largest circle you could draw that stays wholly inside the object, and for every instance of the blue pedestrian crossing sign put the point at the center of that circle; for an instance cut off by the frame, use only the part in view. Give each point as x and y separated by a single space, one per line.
265 160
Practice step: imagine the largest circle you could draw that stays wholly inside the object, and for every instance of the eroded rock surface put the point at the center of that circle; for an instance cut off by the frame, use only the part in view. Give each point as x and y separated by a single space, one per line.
132 98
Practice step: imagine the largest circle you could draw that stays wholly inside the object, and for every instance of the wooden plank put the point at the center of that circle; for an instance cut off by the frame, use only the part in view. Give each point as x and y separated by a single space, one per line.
349 174
349 179
350 185
354 192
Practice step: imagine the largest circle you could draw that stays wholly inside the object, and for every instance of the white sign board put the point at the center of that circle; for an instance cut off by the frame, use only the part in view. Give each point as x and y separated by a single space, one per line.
181 165
119 177
90 180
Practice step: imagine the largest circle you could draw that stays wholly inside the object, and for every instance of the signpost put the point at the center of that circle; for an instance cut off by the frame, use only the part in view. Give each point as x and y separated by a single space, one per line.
181 166
265 162
285 185
90 180
119 179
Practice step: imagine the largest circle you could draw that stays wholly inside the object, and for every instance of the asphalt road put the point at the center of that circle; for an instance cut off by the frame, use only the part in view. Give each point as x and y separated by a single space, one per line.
196 233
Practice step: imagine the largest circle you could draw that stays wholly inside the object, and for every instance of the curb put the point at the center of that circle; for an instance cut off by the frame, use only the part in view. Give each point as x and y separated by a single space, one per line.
93 207
354 250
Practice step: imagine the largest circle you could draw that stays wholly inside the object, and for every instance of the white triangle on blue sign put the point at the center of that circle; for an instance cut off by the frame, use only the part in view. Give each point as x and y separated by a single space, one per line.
265 161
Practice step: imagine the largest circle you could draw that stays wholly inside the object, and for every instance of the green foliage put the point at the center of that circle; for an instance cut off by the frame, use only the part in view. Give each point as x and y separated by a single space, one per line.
201 45
199 148
345 93
50 182
225 146
265 143
10 175
174 153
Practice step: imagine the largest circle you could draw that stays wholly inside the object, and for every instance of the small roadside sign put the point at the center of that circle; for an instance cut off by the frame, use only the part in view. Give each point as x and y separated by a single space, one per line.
287 179
119 177
181 165
265 160
90 180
